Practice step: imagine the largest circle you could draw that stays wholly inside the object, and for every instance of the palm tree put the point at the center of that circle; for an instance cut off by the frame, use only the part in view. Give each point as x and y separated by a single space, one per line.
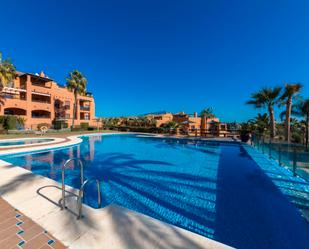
115 121
171 126
302 109
142 121
290 90
76 83
7 72
153 122
259 123
267 98
206 114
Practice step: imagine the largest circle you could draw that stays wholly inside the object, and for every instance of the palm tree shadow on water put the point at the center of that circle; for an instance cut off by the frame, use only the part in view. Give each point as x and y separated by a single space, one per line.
233 207
157 189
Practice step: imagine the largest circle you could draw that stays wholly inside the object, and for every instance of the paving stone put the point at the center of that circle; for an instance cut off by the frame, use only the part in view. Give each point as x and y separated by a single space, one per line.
18 231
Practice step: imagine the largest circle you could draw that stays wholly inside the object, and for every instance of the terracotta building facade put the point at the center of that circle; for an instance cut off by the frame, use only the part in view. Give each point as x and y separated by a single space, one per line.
40 100
192 125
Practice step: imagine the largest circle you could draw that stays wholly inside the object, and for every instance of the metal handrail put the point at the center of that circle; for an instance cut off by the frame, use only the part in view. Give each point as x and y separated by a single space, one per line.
62 175
80 196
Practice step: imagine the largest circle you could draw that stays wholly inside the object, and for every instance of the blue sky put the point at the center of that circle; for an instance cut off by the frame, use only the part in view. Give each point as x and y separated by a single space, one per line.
144 56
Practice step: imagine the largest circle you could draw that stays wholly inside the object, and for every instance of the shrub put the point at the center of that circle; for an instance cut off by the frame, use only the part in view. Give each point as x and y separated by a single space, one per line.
296 138
140 129
60 124
76 128
84 126
244 133
9 122
42 125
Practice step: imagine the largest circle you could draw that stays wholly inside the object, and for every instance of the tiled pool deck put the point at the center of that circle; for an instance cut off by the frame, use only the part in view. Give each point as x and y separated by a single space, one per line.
18 231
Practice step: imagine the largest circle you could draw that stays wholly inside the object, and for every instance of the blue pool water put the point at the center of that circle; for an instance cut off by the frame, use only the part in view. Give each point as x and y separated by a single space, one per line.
22 142
214 189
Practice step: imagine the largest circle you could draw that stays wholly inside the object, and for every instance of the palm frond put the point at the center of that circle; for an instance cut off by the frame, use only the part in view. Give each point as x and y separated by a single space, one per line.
290 90
7 72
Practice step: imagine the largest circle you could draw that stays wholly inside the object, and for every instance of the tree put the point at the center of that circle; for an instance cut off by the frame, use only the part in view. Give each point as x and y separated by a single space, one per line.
153 122
302 109
290 90
76 83
259 123
7 72
171 126
267 98
206 114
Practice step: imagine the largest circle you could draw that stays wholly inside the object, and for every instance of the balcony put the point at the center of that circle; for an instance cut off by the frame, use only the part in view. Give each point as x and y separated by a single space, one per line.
40 114
13 90
40 98
40 81
84 108
15 111
7 96
84 116
41 101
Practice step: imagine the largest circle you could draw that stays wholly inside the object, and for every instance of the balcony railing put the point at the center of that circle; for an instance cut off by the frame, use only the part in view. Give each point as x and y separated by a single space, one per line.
41 101
41 84
14 88
85 108
43 117
9 96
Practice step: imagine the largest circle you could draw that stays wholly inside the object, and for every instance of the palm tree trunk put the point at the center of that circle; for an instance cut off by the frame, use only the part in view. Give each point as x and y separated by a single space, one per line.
206 127
74 108
307 130
272 121
288 120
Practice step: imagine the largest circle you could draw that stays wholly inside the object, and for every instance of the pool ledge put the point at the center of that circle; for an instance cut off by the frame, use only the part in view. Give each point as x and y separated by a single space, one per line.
111 227
57 143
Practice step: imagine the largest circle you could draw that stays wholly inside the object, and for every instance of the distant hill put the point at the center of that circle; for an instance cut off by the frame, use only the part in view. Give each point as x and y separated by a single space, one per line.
154 113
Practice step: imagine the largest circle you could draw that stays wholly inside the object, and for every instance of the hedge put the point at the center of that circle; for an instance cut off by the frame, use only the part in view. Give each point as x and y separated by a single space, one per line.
139 129
9 122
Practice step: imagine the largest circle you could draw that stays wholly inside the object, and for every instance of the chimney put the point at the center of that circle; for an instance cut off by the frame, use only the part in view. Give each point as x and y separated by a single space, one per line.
195 114
42 74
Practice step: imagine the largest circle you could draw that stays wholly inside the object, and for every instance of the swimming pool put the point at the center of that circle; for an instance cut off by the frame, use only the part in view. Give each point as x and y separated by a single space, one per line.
27 141
211 188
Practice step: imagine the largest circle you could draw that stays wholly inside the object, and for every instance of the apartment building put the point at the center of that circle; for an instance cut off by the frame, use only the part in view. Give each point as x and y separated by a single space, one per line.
192 124
39 99
161 118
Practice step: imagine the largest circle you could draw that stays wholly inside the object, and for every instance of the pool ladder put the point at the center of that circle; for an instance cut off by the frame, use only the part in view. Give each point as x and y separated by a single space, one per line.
81 190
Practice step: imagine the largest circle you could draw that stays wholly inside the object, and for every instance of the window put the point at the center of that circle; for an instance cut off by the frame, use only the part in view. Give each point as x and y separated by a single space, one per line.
67 105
